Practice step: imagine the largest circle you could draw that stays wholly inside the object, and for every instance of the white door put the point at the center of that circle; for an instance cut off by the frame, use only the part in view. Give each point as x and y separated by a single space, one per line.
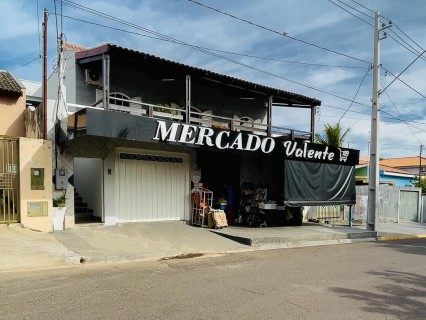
152 187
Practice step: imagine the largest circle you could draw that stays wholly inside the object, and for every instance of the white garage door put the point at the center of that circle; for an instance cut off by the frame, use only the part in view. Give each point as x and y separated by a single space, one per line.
152 187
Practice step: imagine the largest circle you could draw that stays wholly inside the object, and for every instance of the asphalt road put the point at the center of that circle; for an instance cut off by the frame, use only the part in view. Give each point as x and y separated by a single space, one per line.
369 280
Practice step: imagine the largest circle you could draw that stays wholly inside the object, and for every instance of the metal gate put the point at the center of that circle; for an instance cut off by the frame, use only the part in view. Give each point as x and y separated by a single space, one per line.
395 204
9 204
409 202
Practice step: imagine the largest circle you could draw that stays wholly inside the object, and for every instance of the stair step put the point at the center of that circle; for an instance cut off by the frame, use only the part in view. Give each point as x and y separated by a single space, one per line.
86 218
80 204
82 213
82 210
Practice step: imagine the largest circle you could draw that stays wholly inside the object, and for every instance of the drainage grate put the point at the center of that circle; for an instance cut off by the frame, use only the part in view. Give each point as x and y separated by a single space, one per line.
146 157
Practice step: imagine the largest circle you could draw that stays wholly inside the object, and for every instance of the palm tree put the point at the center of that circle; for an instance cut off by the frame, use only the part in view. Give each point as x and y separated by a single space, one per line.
333 135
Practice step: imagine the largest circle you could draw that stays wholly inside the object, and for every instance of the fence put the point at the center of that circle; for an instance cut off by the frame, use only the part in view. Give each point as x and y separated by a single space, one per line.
395 204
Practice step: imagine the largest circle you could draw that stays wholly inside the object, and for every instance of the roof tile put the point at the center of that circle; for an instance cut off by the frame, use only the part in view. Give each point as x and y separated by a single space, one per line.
8 83
403 162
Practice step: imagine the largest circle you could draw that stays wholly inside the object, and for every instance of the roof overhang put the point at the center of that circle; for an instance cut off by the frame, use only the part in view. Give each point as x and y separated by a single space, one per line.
168 69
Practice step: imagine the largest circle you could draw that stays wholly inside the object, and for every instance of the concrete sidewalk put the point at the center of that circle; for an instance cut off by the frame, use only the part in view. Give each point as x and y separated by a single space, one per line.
22 249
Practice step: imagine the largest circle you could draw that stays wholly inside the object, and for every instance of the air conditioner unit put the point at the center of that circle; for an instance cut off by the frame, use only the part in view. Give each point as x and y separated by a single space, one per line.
93 77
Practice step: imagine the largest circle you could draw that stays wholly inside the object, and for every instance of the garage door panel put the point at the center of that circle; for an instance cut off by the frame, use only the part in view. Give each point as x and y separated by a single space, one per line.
152 190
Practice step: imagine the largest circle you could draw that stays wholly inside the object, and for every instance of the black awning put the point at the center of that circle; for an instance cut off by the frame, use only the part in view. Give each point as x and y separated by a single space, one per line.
316 184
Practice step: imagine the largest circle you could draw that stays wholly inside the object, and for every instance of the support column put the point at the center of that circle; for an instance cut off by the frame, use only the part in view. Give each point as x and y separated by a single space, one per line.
188 99
313 114
270 101
105 80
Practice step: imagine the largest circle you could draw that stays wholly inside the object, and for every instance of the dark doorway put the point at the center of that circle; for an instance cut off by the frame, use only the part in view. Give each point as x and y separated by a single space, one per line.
220 173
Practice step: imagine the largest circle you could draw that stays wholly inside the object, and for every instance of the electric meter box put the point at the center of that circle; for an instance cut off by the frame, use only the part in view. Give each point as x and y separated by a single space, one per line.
61 179
37 178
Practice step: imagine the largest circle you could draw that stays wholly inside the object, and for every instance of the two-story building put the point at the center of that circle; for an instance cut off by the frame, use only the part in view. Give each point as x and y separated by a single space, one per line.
137 131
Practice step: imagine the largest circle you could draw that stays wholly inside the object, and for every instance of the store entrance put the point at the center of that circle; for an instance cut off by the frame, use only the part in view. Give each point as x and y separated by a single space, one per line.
220 173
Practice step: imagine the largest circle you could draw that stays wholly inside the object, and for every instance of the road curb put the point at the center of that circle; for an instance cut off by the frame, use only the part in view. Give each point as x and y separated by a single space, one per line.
401 237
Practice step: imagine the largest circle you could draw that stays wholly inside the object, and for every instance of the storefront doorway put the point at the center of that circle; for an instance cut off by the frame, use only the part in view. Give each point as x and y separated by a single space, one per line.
220 173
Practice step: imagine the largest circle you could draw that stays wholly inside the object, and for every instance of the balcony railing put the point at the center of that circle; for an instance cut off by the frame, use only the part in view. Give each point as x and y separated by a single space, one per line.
197 117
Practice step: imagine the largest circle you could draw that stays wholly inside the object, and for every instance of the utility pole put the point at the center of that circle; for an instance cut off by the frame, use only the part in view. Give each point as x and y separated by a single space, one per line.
373 174
44 96
420 165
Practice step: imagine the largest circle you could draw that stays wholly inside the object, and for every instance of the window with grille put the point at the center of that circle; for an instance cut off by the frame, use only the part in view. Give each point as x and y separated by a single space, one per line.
146 157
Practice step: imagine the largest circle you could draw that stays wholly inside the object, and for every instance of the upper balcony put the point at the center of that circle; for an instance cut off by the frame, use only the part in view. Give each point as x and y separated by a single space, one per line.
121 80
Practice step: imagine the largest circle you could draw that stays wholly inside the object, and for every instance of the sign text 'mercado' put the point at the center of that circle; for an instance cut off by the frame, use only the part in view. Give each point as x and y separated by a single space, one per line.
206 136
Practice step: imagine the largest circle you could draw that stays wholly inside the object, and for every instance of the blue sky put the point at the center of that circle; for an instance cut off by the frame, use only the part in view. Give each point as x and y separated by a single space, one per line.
283 60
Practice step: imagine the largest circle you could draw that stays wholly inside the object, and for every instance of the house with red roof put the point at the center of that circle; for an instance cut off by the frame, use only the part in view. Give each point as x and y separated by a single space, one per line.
389 171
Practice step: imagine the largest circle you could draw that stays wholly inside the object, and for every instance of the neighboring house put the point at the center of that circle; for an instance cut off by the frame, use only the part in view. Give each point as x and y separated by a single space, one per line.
25 163
131 130
388 175
414 165
12 105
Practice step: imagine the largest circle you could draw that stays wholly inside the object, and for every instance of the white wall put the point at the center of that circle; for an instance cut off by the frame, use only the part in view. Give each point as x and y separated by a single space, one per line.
109 189
88 182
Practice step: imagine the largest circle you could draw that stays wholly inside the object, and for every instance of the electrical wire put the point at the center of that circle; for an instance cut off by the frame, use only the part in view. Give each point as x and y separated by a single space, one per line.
400 80
216 50
38 28
368 16
397 27
170 39
402 72
359 87
24 65
401 116
277 32
412 49
389 117
56 19
350 12
163 37
363 6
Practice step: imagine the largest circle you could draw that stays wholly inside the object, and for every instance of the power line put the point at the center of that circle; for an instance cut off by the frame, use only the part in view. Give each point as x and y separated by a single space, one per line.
24 65
401 115
276 32
408 37
402 72
286 61
170 39
38 27
396 26
389 117
351 12
359 87
400 80
163 37
363 6
368 16
216 50
409 48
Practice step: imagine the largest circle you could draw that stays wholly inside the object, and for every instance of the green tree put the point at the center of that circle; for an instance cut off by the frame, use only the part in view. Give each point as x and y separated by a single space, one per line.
333 135
422 184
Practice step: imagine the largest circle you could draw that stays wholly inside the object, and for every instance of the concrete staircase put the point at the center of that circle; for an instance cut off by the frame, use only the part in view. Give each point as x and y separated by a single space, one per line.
82 213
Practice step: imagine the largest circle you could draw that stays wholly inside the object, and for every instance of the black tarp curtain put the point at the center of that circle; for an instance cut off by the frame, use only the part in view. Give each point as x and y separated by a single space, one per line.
316 184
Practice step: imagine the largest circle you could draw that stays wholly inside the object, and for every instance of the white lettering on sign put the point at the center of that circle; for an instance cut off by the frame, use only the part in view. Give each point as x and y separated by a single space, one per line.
201 136
291 149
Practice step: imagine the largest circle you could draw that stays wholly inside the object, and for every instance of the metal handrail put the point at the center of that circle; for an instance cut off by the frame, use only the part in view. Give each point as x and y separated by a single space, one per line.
150 110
